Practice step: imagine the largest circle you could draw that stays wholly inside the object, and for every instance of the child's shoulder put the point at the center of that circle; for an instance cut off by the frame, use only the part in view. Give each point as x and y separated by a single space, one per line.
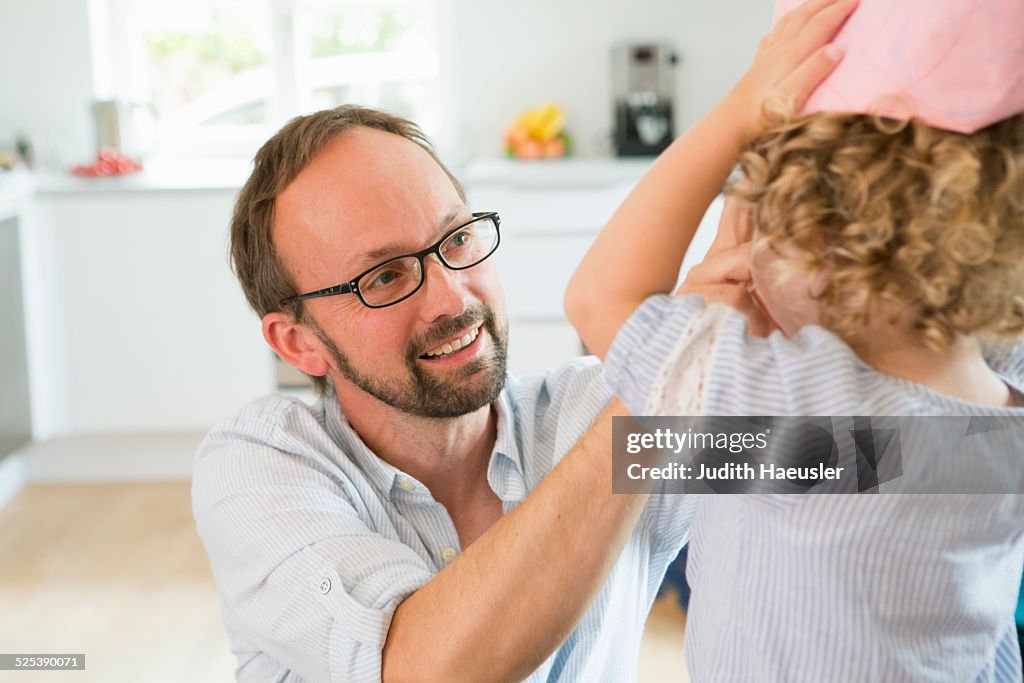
709 364
1006 359
813 372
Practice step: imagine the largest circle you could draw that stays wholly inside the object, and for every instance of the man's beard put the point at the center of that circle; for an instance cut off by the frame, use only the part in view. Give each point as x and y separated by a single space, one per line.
424 395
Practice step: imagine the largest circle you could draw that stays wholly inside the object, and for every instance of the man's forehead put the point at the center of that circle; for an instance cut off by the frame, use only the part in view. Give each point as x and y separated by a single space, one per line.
443 224
364 170
365 191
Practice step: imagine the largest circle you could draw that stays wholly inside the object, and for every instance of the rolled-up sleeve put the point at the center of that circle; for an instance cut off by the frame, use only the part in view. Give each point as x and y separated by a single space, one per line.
301 575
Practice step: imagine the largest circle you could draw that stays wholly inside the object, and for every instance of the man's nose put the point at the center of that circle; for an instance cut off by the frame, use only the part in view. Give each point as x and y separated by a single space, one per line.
443 292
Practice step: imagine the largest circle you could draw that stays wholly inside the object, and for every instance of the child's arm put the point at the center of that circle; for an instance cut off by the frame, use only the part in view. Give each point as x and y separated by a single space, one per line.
640 251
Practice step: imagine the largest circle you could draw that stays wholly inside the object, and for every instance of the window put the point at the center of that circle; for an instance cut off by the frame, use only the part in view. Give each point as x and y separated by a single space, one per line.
219 76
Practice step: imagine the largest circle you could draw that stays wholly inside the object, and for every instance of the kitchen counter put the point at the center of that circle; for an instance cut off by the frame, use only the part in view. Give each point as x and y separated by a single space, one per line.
558 173
230 175
157 176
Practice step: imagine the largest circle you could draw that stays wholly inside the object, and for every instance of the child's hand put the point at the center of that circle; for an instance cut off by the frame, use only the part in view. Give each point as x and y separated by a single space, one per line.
640 250
724 277
736 224
724 274
790 62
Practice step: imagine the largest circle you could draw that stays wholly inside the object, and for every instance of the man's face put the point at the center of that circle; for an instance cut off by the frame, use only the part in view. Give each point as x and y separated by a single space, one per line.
366 197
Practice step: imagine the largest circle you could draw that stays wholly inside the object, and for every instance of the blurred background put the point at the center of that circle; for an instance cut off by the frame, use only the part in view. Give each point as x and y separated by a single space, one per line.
126 129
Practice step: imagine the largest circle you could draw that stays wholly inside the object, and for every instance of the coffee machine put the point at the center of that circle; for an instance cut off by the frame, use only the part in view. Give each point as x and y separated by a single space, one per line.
643 79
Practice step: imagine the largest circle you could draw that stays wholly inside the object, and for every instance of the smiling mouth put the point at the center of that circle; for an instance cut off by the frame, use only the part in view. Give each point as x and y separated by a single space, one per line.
452 345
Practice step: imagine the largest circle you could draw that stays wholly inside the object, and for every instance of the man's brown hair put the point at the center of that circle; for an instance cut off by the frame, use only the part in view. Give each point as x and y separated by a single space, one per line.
254 259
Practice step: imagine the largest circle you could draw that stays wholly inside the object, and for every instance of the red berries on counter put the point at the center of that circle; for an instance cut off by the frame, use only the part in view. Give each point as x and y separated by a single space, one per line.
108 162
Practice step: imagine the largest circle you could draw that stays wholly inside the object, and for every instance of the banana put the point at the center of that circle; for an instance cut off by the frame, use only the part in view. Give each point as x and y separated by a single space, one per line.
544 122
551 125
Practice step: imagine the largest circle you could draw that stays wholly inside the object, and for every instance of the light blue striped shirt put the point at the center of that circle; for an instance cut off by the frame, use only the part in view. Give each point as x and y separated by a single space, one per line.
888 587
314 541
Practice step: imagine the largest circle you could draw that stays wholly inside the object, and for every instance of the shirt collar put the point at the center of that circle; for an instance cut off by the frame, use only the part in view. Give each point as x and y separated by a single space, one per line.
381 475
504 472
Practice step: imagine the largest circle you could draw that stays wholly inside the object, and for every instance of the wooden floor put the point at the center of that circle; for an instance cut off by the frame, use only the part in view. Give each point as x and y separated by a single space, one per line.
116 571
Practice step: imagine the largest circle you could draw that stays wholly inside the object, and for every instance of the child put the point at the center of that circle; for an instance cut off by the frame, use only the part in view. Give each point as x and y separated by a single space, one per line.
885 252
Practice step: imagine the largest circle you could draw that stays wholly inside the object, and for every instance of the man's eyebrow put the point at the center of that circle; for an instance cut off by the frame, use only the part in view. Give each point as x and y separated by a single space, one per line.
394 249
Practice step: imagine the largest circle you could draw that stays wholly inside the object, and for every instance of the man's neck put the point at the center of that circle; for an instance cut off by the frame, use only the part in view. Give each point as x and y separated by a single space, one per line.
449 456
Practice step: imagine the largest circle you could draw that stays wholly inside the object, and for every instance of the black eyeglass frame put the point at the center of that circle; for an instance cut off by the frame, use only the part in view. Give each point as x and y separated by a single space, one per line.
352 286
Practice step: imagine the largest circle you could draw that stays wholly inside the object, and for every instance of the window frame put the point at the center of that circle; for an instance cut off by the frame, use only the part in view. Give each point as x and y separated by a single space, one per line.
119 65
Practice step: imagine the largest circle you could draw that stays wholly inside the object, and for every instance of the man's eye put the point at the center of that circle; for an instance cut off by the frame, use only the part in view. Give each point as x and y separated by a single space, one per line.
460 239
385 278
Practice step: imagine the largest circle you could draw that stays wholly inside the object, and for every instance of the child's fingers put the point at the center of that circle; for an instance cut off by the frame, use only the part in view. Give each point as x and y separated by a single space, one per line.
823 26
816 59
734 227
730 265
802 81
738 298
793 22
791 61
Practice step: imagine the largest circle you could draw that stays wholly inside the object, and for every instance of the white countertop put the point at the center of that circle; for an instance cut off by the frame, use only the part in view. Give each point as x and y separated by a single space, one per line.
554 173
230 175
199 175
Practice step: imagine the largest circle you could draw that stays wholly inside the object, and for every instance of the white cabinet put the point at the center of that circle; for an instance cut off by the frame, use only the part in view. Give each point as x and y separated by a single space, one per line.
550 214
136 321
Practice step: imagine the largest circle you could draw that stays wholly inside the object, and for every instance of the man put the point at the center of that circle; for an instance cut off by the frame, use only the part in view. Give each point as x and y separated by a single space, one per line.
429 519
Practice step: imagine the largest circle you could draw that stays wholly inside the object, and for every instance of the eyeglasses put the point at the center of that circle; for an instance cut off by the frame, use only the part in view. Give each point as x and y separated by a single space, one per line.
400 277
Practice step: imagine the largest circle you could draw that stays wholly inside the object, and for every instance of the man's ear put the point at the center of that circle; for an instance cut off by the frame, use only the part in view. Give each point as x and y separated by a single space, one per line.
295 343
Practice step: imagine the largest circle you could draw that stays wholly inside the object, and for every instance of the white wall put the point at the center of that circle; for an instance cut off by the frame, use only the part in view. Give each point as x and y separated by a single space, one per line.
46 78
507 56
513 55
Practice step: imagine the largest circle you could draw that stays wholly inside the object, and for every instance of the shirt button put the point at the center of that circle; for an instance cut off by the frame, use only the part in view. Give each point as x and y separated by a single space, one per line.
448 554
325 586
406 484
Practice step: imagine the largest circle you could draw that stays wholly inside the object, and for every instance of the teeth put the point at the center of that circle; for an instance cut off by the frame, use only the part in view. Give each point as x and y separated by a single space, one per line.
455 344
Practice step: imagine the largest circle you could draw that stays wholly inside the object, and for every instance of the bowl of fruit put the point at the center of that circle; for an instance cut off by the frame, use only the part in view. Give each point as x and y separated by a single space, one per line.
538 134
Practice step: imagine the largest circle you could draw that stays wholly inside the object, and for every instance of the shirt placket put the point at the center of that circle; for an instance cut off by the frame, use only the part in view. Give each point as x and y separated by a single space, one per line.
431 518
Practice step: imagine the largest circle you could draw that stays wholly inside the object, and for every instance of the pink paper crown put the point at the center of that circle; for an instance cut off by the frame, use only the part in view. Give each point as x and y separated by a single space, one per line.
954 64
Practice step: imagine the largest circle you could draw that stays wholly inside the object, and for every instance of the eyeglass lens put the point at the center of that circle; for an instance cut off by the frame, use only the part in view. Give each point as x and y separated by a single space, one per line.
398 278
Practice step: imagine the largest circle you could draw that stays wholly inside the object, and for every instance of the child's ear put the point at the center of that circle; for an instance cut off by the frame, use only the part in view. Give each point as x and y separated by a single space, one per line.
816 286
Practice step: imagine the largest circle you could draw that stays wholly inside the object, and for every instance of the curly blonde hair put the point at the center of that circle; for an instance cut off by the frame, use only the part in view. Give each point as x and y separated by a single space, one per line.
878 210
